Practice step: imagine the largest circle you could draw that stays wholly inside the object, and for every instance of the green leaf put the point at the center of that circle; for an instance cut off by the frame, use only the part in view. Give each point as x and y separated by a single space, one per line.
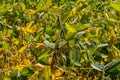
111 65
116 7
114 70
44 61
14 73
25 71
112 20
97 50
91 49
5 8
48 44
43 55
79 34
118 2
70 35
102 45
98 67
81 27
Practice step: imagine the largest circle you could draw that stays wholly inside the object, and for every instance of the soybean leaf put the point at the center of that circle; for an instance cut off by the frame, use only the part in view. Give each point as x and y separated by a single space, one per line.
70 28
116 7
25 71
111 65
114 70
81 27
97 50
48 44
43 55
98 67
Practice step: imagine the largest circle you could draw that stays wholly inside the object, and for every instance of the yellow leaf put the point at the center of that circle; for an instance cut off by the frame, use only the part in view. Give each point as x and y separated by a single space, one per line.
112 32
26 62
43 37
19 67
32 3
55 7
32 30
40 45
29 31
1 50
47 72
53 77
41 5
22 49
72 74
22 5
97 32
32 11
28 25
79 1
58 72
70 28
74 10
48 3
21 29
1 56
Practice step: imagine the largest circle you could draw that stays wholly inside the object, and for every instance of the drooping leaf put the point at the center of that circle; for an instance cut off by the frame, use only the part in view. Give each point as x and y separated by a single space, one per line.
114 70
78 34
48 44
97 50
98 67
102 45
111 65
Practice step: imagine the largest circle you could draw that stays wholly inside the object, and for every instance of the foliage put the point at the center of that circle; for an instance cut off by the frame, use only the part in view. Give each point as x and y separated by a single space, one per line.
59 39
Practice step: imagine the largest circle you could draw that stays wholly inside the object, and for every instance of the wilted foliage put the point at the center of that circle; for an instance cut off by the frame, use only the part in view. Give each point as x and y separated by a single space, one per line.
59 39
